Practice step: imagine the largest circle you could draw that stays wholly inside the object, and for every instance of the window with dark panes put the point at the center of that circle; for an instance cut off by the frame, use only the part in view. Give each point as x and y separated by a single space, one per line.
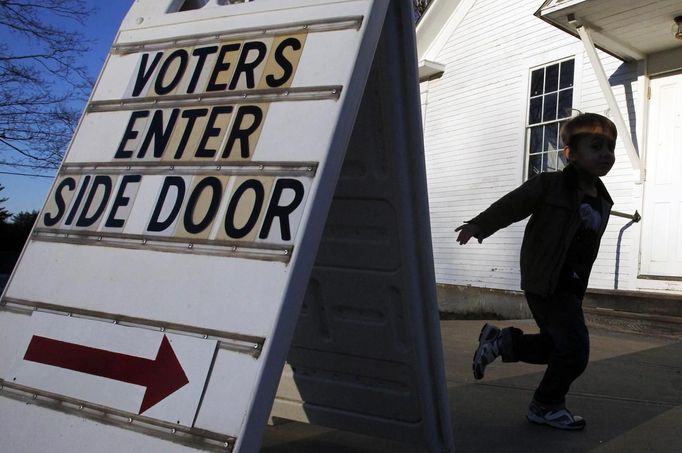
550 105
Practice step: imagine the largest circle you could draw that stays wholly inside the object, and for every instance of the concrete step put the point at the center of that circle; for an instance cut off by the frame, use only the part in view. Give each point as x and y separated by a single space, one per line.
635 312
624 321
635 301
630 311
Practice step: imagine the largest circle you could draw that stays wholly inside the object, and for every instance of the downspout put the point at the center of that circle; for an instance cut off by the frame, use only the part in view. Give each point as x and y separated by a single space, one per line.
598 68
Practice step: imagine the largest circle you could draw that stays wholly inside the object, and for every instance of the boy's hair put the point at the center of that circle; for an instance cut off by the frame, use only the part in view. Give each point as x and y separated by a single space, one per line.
586 121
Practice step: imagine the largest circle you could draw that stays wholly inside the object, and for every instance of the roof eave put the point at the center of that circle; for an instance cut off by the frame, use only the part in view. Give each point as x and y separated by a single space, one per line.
625 57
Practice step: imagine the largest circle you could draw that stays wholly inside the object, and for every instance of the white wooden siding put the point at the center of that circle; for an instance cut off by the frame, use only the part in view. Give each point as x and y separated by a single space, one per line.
621 183
474 119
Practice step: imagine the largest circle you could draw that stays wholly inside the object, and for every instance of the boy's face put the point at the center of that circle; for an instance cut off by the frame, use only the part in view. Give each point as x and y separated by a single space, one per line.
592 151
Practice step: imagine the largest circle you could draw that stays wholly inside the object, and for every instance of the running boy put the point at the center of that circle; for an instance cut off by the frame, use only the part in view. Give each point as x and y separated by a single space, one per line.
568 213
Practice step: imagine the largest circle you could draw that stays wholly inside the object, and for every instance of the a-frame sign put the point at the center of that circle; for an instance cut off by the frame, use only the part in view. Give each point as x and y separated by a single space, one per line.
246 187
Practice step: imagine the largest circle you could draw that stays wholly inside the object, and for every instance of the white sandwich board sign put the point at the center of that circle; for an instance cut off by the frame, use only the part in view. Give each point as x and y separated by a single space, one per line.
158 297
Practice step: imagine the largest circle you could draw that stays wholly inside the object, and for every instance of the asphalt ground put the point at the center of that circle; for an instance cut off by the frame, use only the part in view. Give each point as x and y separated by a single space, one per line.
630 395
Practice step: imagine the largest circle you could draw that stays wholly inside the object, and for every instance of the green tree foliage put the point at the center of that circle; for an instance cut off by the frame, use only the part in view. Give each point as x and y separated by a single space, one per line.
40 77
420 7
24 220
13 236
4 213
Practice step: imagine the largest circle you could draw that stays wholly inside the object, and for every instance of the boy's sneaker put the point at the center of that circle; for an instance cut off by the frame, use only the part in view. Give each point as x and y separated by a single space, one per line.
559 418
487 350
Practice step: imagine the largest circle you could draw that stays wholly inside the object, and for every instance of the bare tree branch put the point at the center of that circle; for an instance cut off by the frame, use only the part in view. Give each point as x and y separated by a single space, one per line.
42 83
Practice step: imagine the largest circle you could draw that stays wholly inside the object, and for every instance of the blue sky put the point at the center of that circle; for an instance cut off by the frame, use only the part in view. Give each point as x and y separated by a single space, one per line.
29 193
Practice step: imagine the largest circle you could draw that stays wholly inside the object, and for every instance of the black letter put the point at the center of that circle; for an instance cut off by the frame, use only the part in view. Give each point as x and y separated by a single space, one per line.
217 189
158 86
211 131
230 228
142 76
84 220
247 68
49 220
157 133
179 183
120 201
202 53
243 134
284 63
191 116
283 212
129 134
79 198
221 66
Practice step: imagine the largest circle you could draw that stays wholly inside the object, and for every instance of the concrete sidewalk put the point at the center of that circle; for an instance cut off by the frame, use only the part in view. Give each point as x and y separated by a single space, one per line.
631 396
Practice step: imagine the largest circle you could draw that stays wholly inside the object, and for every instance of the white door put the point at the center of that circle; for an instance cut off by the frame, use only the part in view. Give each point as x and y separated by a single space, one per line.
662 212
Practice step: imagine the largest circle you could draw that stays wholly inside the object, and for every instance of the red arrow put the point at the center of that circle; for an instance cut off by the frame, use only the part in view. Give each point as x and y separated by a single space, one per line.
161 376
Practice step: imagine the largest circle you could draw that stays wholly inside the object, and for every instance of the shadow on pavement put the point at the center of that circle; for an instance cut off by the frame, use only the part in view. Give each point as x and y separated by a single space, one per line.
303 438
615 395
630 394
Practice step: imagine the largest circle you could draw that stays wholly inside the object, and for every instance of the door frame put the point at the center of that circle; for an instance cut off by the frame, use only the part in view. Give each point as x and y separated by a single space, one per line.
645 183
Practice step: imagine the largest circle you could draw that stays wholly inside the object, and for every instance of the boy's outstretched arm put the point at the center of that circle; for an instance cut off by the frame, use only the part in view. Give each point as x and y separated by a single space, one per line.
466 232
514 206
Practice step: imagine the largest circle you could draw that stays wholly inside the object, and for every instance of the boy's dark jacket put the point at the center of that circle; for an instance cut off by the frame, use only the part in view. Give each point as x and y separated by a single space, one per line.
552 200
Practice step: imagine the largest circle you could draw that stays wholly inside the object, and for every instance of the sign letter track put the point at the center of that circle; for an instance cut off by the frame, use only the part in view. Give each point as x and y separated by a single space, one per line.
162 376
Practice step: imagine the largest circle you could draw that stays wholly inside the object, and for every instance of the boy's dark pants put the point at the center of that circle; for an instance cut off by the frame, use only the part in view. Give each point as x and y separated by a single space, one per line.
563 344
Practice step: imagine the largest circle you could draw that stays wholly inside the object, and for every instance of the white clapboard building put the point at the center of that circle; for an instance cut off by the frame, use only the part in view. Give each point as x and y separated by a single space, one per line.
498 78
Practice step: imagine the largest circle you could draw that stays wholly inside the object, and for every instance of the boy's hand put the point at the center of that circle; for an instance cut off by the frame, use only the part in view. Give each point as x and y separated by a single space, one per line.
466 232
